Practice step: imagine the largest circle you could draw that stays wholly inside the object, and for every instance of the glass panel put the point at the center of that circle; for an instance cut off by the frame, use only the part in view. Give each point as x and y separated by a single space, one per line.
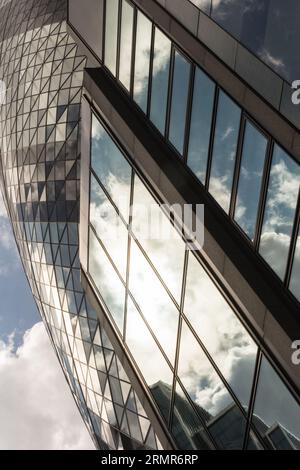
295 277
142 346
201 120
142 61
187 429
106 280
252 166
156 305
180 91
280 211
111 167
224 152
276 413
160 80
111 35
109 227
126 44
204 5
162 242
210 396
221 332
274 38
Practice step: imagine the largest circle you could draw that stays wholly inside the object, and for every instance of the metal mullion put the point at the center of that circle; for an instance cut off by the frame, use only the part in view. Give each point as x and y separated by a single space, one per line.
104 32
212 136
178 338
237 167
293 243
155 271
152 48
133 51
189 111
109 197
161 349
252 397
215 367
107 254
169 92
119 31
128 255
263 196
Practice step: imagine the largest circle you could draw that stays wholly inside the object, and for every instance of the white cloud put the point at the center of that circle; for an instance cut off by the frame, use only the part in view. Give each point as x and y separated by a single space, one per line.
3 212
37 410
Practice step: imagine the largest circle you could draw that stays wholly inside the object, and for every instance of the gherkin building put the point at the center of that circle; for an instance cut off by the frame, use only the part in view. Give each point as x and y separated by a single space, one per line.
150 165
40 169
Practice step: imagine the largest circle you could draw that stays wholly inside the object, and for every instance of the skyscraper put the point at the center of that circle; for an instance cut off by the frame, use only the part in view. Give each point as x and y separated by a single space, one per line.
164 343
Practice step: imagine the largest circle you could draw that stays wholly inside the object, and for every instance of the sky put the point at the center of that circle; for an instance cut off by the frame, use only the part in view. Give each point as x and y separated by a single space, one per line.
37 410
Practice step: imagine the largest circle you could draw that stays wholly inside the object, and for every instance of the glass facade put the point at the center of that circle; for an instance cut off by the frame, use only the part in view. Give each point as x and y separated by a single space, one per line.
40 152
169 307
268 28
227 152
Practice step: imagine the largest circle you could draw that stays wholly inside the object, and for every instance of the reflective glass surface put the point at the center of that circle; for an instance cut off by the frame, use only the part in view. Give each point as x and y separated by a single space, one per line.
204 5
108 226
111 36
201 120
163 240
295 277
269 28
142 61
154 302
221 332
111 167
276 413
224 150
249 186
144 349
126 44
106 280
180 90
160 80
187 429
280 211
214 404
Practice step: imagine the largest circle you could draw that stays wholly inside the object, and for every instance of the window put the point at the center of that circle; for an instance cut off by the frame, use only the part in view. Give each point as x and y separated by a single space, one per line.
280 211
187 429
221 332
162 242
160 80
142 61
201 121
209 394
142 346
276 413
148 356
107 281
155 304
108 226
224 151
249 186
126 44
111 167
111 35
180 91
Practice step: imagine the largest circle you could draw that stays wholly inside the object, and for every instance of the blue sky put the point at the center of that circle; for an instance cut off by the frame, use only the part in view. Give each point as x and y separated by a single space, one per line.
37 410
18 311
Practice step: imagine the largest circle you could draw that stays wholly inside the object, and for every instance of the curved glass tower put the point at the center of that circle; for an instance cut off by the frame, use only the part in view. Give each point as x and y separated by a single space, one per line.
42 72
